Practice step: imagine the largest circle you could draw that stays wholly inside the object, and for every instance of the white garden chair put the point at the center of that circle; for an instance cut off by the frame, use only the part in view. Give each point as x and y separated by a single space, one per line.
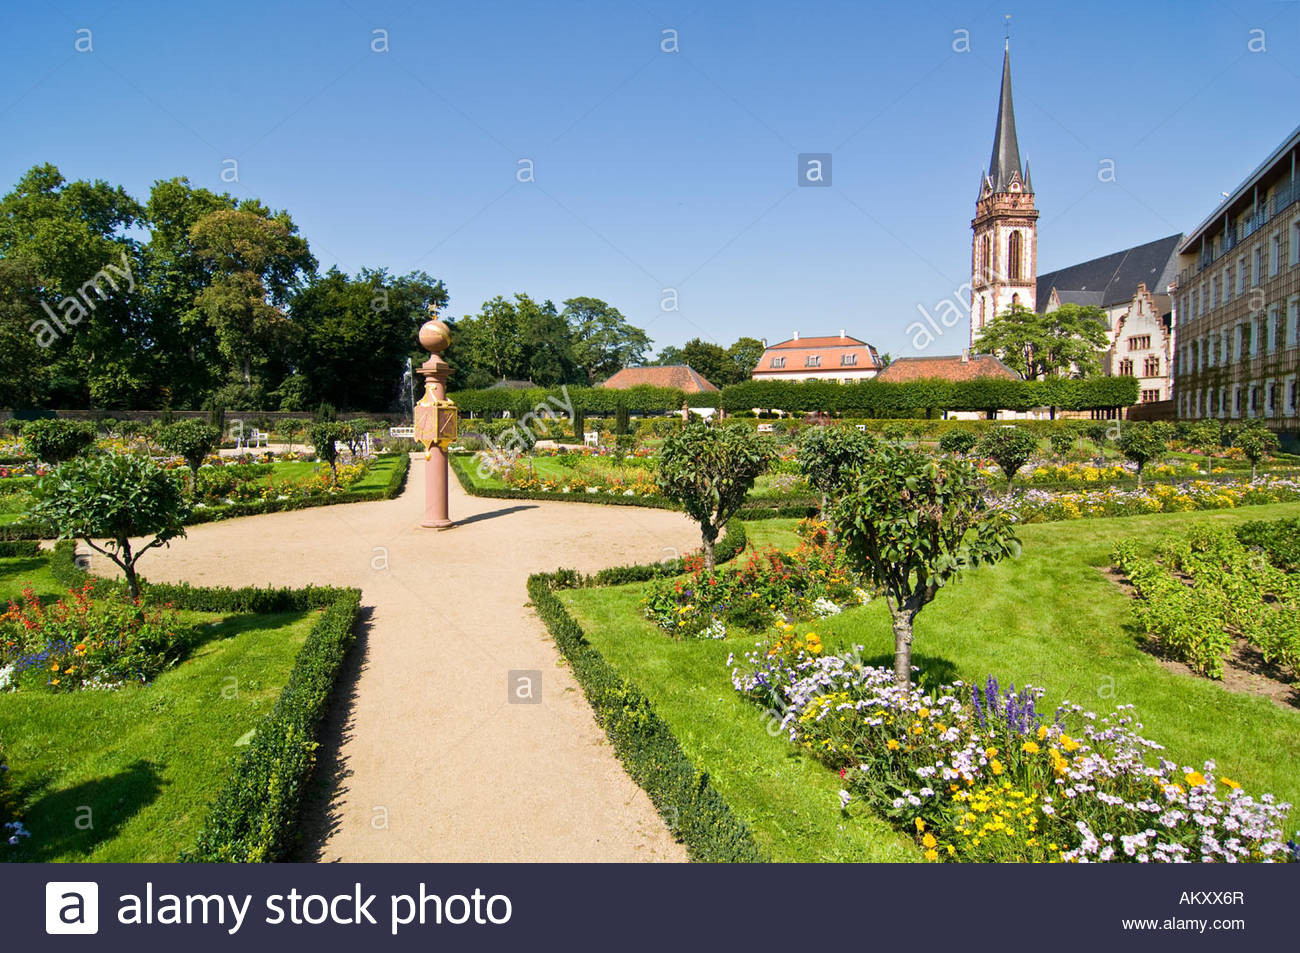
591 438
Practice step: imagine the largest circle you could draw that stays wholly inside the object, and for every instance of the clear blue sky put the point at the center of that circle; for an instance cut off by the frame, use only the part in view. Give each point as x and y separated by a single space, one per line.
654 169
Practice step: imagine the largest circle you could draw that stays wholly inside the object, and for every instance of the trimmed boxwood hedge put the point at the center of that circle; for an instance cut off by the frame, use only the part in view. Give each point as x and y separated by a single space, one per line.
732 544
225 511
692 807
24 547
870 398
255 814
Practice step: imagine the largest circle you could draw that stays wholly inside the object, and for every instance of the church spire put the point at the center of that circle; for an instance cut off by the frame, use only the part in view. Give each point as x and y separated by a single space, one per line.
1004 164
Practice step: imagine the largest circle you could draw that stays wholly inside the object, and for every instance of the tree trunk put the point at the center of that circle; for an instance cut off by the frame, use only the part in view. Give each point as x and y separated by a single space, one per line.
902 646
709 535
1139 478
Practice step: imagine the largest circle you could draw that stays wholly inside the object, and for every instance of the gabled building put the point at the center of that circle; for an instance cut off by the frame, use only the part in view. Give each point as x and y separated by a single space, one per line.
1132 287
840 359
681 377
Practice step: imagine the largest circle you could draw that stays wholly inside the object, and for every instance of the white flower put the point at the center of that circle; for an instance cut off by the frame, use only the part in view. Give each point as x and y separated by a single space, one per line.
845 798
6 677
824 608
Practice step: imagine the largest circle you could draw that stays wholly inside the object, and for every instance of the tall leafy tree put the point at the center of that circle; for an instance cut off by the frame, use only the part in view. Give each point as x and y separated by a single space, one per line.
745 354
354 337
91 329
24 368
710 361
174 276
1068 341
604 342
256 261
545 344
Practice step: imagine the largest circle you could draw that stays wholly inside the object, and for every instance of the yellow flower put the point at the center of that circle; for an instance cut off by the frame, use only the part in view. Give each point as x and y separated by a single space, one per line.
920 825
923 713
1194 779
1068 743
996 765
1029 747
1230 783
929 841
931 855
990 752
1042 732
891 744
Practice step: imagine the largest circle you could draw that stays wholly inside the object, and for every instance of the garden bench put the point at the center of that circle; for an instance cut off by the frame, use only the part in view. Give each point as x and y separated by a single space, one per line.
256 438
399 433
591 438
765 428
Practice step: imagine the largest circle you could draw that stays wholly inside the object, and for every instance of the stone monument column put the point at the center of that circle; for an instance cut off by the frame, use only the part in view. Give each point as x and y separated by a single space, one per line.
435 421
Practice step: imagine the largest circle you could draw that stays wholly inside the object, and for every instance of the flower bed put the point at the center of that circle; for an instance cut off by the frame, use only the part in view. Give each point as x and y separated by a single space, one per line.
250 482
85 642
573 473
810 582
1040 506
981 775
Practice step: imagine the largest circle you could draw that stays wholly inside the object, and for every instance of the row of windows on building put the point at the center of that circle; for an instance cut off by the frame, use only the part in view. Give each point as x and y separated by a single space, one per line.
1249 271
1015 258
1150 367
1267 399
815 360
1265 333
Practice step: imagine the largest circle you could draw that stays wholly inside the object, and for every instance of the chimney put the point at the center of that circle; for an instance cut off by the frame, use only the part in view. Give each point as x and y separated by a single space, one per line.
796 335
965 355
764 342
842 334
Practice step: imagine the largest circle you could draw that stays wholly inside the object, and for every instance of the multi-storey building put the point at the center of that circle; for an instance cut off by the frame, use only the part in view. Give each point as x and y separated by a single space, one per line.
842 359
1238 302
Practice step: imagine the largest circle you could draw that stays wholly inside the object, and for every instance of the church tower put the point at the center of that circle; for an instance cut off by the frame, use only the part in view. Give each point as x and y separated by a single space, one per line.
1004 248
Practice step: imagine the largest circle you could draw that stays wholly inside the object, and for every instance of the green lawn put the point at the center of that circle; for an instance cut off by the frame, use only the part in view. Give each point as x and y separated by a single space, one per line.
128 775
1049 618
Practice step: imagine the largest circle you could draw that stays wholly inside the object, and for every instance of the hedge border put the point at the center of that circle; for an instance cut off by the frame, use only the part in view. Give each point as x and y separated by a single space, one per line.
254 816
19 547
753 510
213 514
650 752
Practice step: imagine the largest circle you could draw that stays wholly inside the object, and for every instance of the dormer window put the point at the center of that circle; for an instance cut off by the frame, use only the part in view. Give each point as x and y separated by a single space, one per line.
813 360
778 363
848 360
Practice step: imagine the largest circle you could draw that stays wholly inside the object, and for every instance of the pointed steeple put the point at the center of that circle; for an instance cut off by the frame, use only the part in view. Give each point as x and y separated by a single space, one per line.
1005 161
1029 183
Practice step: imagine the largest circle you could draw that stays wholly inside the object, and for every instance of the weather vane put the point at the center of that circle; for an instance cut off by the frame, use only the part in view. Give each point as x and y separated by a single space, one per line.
1008 30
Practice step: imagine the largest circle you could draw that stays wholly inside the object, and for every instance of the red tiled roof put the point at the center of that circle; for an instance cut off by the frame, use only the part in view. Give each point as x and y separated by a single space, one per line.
831 350
949 368
680 376
832 341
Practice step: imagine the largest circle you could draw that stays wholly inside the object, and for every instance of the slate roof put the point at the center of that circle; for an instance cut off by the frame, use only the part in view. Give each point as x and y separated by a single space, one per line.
1112 279
946 367
680 376
1005 158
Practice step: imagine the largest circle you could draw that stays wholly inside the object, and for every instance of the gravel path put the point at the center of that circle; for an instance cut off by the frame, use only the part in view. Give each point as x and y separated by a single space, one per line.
423 757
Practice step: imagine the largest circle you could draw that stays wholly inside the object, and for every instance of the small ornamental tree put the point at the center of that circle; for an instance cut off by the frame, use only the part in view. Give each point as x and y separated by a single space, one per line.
959 442
113 497
1255 441
1061 441
912 523
709 470
191 440
290 428
1141 445
1010 448
827 456
323 436
53 441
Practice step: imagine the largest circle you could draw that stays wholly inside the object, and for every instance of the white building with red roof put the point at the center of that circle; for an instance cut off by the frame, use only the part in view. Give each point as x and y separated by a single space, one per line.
840 359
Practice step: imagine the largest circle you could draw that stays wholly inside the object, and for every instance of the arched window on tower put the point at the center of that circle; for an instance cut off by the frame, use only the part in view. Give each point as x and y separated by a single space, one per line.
985 249
1014 254
983 302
